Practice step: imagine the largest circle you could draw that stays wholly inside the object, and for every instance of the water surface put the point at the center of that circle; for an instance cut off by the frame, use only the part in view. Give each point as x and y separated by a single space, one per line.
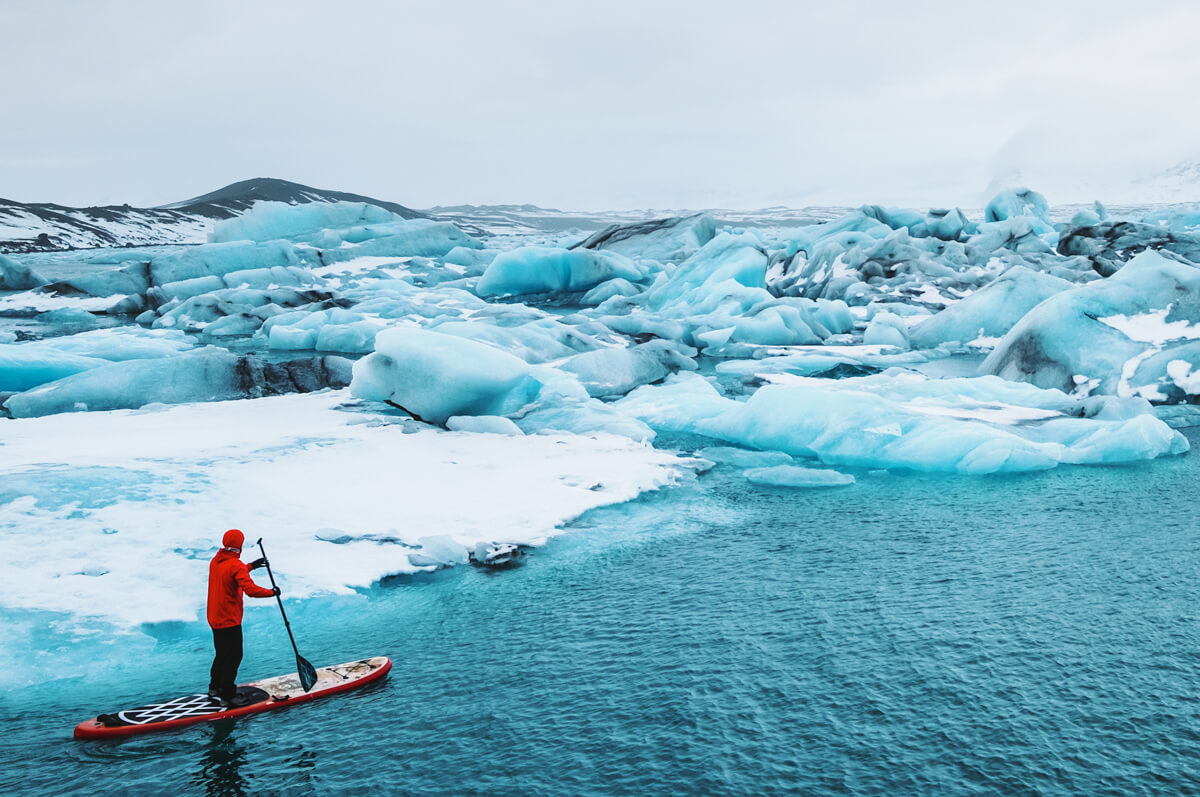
911 634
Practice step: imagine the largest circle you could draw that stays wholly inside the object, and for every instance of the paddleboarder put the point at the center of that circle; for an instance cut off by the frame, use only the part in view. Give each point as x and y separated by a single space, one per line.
228 578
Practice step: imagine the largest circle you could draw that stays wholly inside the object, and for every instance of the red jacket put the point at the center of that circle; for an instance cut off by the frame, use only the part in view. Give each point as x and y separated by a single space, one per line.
228 578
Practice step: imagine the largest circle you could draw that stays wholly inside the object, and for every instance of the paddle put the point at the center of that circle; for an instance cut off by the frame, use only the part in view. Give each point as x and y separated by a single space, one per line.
307 673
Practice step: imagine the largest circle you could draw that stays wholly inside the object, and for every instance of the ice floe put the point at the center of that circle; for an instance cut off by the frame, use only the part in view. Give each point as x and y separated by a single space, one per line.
114 515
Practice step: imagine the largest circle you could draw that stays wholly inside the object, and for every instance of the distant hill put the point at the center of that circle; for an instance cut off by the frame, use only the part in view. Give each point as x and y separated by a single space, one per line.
236 198
40 226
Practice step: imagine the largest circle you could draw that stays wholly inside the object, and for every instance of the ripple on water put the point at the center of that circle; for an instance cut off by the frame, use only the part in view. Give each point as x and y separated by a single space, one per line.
909 634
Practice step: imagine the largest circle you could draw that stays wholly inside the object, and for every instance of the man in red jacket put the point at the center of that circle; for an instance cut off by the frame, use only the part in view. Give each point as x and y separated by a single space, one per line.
228 578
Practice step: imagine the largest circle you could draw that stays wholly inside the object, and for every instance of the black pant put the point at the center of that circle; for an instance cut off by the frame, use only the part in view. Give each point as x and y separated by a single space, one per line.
227 642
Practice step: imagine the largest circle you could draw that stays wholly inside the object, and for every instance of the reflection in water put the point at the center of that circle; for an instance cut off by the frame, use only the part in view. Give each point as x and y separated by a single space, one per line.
221 765
224 770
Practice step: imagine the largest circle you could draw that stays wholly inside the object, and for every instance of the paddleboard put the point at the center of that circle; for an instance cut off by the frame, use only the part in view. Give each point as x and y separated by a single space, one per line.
266 695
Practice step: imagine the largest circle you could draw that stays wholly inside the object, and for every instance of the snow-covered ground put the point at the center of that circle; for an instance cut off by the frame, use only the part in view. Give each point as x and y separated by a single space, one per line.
114 515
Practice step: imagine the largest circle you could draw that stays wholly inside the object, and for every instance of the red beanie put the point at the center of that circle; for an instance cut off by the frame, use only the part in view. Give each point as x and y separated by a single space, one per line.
233 539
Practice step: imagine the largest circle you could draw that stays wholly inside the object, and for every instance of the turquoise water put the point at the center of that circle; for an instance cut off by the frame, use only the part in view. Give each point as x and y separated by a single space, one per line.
911 634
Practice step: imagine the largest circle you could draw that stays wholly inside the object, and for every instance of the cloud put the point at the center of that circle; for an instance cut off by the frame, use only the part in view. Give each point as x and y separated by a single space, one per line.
592 105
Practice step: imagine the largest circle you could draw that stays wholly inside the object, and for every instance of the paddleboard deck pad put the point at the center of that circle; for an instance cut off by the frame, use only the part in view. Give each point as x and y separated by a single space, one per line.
266 695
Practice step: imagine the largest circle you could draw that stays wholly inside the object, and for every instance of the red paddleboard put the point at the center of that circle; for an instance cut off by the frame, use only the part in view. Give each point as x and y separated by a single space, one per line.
272 693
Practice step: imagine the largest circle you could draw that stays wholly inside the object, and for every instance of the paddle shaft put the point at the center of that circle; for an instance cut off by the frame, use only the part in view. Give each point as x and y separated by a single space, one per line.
278 599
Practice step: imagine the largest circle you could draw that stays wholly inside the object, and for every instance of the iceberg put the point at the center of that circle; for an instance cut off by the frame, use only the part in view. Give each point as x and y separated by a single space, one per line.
342 231
990 312
483 424
616 371
17 277
795 476
744 458
728 259
540 269
271 221
538 340
434 376
664 240
26 365
23 366
1020 203
219 259
887 329
1095 336
903 421
1109 245
208 374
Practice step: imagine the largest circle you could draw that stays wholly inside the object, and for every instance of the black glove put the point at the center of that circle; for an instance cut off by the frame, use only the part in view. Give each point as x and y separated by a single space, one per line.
276 592
257 563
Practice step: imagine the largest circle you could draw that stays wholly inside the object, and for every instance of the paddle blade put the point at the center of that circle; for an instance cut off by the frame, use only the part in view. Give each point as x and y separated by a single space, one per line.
307 673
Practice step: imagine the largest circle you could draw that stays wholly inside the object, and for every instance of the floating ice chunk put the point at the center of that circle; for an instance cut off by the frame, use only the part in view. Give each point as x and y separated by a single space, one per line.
1109 245
834 315
867 422
204 375
408 238
106 282
664 240
947 225
794 476
435 376
482 424
357 337
344 230
727 257
745 458
27 365
17 277
208 374
1021 234
69 319
541 269
828 360
249 306
333 329
606 290
121 343
1020 202
1065 337
887 329
219 259
614 371
473 260
1170 375
23 366
536 341
560 410
990 312
269 221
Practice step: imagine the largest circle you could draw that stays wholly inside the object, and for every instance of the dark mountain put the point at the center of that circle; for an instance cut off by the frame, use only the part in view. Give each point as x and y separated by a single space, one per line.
235 198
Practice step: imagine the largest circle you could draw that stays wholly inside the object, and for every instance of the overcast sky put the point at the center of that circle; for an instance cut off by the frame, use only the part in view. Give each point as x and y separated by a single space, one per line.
598 105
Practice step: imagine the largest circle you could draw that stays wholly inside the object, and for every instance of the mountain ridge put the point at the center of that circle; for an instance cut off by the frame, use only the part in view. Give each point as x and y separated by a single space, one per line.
46 226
